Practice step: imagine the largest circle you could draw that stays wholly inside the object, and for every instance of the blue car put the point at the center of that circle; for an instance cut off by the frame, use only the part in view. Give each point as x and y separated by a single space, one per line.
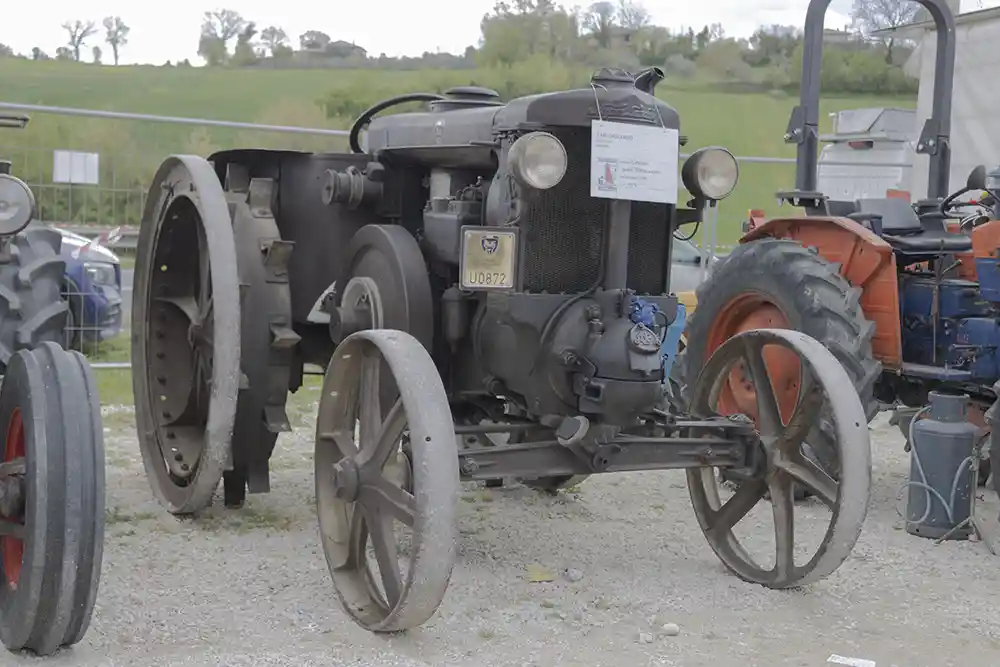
93 289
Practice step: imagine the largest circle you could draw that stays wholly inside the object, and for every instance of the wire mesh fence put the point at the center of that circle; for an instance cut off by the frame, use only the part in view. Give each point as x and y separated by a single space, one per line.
94 167
97 317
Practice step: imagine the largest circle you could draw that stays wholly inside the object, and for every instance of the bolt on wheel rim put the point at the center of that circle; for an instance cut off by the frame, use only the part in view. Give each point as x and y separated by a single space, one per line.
11 544
783 462
386 483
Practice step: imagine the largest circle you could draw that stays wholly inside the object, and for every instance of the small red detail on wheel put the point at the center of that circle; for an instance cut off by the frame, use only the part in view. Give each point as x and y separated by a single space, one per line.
744 313
11 547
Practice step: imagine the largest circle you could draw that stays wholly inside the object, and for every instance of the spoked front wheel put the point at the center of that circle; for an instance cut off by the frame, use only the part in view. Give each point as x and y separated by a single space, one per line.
783 428
387 482
51 499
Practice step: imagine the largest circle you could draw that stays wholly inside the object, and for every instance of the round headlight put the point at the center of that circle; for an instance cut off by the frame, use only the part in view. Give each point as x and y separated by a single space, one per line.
17 205
711 173
537 160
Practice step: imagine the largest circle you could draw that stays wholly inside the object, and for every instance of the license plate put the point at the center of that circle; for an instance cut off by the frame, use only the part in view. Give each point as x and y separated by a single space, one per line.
489 258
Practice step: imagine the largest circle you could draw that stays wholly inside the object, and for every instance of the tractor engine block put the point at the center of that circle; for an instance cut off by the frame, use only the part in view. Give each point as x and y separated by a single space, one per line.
597 355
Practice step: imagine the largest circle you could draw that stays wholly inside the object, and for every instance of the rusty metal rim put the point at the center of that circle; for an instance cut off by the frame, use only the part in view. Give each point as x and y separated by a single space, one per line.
191 178
13 547
784 465
348 477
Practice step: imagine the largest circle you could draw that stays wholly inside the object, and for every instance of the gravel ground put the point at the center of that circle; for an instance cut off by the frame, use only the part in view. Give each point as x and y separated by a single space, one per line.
251 587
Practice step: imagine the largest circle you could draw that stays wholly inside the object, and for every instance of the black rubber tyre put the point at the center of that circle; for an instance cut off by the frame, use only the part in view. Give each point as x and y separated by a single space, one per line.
32 310
817 301
50 407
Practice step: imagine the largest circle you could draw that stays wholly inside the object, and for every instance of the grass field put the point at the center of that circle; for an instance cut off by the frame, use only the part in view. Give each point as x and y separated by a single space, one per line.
747 124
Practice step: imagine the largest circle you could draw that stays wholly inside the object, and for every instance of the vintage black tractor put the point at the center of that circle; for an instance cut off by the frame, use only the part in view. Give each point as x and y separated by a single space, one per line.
52 470
486 285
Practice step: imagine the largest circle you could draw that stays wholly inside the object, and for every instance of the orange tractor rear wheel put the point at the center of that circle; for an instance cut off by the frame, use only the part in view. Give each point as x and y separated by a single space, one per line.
779 284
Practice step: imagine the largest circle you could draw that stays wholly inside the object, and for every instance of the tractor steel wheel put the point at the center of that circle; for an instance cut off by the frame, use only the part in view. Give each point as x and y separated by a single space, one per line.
186 379
363 498
774 283
822 379
51 499
267 338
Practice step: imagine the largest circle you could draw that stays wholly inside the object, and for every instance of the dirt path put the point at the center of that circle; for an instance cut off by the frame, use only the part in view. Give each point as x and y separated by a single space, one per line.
251 587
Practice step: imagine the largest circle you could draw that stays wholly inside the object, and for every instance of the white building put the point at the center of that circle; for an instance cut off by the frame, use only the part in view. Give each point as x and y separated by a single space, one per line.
975 110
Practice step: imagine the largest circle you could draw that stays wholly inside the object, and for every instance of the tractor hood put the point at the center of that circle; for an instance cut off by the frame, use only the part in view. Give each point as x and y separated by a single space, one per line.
613 95
460 129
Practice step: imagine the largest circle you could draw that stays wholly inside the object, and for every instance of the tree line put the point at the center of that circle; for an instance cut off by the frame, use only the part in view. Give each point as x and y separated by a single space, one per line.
78 34
623 33
619 33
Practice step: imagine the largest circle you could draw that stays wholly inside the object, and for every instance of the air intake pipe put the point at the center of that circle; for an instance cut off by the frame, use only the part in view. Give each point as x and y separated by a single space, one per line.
647 79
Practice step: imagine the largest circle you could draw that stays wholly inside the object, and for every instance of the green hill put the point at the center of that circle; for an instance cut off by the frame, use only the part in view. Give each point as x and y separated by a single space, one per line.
747 124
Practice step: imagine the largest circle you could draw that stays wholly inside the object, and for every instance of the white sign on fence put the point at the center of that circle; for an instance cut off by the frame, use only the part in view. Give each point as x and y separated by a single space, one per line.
76 168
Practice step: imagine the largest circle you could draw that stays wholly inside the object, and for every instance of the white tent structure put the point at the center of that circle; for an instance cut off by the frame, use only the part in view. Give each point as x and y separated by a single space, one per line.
975 121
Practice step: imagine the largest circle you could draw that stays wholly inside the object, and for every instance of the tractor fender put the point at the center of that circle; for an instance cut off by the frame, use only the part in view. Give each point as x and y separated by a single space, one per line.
864 259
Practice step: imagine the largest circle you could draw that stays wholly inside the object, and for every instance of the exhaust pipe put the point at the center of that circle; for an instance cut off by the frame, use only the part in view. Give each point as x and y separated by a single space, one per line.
647 80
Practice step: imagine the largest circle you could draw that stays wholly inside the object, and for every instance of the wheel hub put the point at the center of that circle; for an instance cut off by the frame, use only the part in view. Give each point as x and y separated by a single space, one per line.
12 548
12 496
749 312
346 480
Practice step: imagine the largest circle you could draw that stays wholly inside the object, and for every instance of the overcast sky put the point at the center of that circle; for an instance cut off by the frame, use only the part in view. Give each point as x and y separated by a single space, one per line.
162 32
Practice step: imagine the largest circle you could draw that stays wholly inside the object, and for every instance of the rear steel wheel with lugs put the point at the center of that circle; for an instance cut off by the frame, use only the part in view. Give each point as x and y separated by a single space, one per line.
52 499
780 284
186 378
387 481
824 385
210 406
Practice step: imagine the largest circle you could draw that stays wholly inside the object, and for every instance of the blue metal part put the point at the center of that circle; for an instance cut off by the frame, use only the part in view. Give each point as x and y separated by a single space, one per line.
988 272
965 325
643 312
672 341
941 451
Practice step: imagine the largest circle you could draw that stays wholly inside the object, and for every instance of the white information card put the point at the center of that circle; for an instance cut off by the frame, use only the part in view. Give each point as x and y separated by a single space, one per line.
635 162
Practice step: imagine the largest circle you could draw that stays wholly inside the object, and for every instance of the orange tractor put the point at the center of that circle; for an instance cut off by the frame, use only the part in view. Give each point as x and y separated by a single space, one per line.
906 298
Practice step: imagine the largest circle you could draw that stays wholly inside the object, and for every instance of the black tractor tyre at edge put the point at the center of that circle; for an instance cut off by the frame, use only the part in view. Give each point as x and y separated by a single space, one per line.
816 299
60 412
32 310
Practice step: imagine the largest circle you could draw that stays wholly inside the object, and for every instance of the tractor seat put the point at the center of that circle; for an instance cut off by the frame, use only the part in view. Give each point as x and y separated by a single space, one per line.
896 222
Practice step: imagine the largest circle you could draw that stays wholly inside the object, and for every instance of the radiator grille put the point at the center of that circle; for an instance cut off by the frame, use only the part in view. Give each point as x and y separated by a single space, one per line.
564 228
647 248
